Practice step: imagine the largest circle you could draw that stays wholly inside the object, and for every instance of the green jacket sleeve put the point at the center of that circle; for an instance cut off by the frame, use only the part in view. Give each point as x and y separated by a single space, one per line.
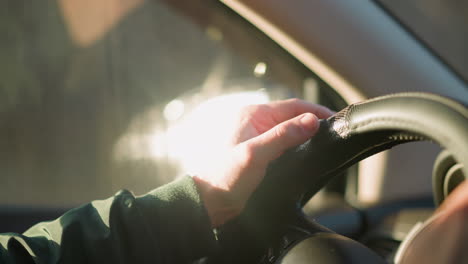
167 225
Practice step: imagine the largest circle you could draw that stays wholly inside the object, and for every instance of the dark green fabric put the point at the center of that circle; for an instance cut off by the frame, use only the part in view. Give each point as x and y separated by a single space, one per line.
167 225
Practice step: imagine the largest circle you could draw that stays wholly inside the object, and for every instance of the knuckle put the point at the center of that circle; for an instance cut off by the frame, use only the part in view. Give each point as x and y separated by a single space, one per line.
286 131
248 108
248 111
248 155
245 155
295 100
281 131
254 109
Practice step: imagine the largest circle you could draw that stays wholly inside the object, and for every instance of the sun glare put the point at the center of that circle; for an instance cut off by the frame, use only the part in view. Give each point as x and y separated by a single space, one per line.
194 136
202 135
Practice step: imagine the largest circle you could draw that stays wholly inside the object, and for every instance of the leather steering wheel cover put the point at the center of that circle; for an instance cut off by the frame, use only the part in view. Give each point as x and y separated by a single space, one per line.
422 115
363 129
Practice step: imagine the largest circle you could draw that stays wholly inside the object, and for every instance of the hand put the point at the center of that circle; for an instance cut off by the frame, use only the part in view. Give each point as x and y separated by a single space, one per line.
444 234
262 134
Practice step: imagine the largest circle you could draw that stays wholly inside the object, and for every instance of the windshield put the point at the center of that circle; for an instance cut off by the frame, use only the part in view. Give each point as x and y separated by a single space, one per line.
441 25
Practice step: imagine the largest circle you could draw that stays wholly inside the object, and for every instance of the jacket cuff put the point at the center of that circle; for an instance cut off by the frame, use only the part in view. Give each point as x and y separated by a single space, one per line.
182 223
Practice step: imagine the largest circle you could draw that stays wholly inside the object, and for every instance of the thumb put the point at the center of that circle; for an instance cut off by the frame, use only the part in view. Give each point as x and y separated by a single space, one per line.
271 144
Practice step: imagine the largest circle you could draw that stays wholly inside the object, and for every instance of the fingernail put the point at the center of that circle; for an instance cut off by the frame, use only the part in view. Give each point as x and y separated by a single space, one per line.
309 122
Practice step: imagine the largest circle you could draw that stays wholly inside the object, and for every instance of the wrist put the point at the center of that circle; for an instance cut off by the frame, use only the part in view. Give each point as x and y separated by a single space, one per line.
219 203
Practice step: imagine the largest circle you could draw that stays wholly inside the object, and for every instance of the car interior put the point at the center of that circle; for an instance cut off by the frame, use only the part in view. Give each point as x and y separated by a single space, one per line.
95 102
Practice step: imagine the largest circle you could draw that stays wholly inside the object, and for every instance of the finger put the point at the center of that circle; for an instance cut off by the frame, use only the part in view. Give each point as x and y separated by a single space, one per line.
271 144
287 109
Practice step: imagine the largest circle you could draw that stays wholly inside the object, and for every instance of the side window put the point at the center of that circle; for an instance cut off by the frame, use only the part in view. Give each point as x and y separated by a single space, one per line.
134 106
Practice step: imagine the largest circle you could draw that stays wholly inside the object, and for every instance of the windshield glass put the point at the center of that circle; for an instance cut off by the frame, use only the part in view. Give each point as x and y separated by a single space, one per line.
441 25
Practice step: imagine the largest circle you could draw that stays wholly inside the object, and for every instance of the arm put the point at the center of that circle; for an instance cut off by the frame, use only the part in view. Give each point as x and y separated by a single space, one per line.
167 225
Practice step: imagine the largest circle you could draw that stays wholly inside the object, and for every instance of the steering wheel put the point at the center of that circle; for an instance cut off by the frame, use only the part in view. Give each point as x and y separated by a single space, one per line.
273 229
